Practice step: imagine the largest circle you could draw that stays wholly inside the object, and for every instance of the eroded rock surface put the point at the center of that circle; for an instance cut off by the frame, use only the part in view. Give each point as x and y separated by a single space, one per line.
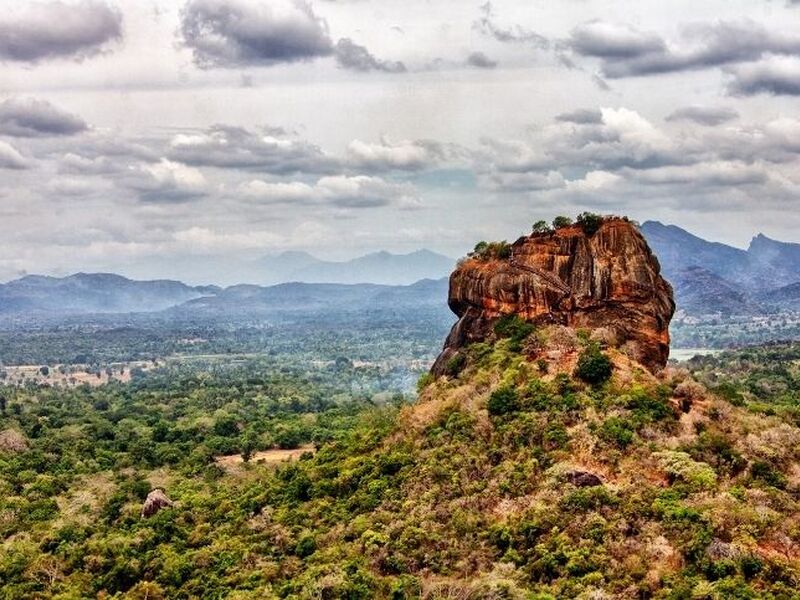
609 280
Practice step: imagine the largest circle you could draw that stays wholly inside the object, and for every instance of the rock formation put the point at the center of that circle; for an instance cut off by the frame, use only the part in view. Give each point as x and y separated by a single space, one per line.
607 279
155 501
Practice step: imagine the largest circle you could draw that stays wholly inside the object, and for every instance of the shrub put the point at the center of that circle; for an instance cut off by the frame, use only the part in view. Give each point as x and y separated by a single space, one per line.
491 250
541 227
617 431
514 328
589 222
503 249
424 381
306 546
455 364
590 498
593 367
681 466
766 473
502 401
561 221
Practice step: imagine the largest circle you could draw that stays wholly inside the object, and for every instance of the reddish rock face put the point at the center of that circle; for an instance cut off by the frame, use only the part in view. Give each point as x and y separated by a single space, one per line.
607 280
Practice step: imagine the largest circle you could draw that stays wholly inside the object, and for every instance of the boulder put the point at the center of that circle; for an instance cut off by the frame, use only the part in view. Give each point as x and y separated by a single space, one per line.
155 501
582 479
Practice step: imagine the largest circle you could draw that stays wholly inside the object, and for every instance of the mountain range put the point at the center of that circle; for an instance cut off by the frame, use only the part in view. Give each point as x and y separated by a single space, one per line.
94 293
713 278
708 278
381 267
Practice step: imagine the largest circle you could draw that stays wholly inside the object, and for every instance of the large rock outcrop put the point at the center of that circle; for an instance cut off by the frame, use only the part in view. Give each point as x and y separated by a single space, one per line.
609 279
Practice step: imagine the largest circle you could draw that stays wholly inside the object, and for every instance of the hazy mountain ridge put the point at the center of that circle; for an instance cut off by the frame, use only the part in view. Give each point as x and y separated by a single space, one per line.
309 298
377 267
710 277
94 293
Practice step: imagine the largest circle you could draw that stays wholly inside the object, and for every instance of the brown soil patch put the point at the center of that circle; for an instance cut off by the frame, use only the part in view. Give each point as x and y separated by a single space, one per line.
234 462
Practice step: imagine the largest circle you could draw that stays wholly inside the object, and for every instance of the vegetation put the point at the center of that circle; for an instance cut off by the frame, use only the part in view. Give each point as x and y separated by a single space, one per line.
469 494
492 250
589 222
541 227
516 329
561 221
593 366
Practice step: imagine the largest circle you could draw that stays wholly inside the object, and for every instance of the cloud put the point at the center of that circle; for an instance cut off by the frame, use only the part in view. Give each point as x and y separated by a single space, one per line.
29 117
778 76
523 182
516 34
614 41
627 52
581 117
594 181
10 157
405 155
481 61
76 187
622 138
704 115
82 165
350 55
166 181
360 191
45 30
235 33
714 173
238 148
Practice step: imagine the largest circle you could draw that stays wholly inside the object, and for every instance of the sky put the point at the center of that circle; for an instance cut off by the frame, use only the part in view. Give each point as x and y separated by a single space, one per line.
178 139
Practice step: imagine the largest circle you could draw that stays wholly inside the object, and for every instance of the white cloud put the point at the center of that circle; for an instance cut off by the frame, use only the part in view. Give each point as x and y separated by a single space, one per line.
10 157
166 181
359 191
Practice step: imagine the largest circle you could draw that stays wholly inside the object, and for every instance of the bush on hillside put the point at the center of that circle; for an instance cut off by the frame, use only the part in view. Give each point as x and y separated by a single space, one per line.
502 401
515 329
594 367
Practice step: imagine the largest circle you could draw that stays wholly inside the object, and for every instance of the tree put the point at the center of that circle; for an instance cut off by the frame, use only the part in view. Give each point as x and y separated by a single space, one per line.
561 221
541 227
589 222
593 367
480 248
502 401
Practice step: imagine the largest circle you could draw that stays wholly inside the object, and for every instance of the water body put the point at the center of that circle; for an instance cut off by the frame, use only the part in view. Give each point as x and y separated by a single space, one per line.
681 354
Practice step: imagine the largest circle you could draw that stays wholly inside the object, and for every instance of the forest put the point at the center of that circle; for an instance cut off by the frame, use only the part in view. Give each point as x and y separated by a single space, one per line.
386 499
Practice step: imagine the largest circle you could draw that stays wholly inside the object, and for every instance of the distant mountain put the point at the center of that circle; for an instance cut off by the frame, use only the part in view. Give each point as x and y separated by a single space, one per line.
786 297
699 291
94 293
382 268
300 300
779 262
713 278
677 250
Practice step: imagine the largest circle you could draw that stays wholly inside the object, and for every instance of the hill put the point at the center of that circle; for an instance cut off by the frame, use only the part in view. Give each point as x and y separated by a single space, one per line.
379 268
766 264
93 293
545 461
713 278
